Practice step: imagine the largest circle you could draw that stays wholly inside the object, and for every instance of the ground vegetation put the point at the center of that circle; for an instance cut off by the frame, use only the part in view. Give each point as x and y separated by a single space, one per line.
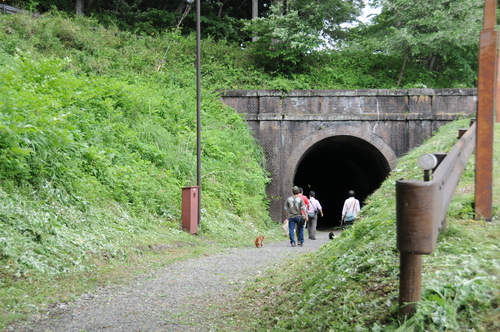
351 284
96 143
98 136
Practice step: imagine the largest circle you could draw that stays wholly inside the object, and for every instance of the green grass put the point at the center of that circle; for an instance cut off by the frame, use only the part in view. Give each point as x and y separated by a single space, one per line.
97 138
30 294
351 284
96 145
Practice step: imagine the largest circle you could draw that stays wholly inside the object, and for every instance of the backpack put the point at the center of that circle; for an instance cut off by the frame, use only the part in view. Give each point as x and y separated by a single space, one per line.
349 217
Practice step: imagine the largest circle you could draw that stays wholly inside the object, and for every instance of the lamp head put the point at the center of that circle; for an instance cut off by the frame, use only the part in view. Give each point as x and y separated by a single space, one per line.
428 161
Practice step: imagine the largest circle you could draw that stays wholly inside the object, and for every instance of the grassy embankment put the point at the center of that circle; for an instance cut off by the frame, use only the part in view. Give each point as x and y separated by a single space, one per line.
96 142
351 284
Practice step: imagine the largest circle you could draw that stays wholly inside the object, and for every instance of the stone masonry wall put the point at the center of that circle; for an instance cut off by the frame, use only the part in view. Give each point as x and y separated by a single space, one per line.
393 121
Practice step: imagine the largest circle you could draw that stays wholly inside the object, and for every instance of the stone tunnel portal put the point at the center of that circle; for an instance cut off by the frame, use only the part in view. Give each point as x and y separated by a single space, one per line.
335 165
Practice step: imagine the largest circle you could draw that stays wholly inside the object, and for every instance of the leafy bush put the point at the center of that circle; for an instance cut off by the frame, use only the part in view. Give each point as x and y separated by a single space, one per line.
281 40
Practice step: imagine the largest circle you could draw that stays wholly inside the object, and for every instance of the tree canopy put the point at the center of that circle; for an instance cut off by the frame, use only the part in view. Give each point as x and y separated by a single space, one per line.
220 19
434 33
439 36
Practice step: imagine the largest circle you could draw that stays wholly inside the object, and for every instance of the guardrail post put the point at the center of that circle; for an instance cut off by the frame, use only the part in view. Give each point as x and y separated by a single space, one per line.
410 282
417 205
421 209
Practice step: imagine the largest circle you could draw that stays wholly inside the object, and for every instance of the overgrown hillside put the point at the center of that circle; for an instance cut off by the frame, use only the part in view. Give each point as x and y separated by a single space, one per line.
96 142
352 283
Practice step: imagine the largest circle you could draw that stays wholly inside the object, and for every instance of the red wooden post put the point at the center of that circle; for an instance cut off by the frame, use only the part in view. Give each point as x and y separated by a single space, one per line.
417 210
497 93
190 209
485 113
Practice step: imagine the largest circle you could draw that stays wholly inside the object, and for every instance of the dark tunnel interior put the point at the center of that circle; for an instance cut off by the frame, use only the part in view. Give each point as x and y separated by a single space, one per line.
336 165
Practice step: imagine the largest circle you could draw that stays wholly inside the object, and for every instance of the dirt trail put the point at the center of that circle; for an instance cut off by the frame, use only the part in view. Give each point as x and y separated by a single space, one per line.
188 295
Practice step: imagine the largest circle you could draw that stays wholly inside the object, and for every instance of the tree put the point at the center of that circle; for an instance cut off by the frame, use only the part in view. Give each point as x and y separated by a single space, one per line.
79 4
424 31
221 19
280 40
291 29
327 16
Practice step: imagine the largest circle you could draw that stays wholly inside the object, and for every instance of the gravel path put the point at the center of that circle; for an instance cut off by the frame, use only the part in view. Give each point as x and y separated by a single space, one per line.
188 295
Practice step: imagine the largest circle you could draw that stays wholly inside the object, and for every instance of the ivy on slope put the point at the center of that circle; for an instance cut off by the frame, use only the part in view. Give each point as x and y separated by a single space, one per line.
351 284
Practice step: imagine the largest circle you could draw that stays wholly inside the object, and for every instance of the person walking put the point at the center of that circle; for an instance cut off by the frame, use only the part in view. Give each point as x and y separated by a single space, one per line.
350 209
306 202
304 197
295 208
314 210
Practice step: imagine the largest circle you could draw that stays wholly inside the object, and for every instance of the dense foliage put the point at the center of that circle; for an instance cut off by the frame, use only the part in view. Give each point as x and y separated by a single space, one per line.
426 32
432 44
96 143
351 284
220 19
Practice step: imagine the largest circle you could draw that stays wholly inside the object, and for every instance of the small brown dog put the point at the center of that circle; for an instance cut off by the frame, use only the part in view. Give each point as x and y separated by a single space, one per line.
259 241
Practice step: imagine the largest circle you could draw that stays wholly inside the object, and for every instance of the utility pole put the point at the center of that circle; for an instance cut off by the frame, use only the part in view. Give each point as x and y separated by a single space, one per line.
198 105
255 14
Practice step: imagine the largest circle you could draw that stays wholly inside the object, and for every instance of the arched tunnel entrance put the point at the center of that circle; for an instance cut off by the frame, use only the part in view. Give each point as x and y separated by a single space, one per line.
335 165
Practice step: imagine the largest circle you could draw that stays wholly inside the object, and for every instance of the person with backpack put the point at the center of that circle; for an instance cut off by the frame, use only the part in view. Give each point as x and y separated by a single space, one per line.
295 212
312 214
350 209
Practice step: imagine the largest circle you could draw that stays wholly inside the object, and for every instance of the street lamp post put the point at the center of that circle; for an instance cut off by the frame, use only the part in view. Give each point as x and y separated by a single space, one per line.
198 106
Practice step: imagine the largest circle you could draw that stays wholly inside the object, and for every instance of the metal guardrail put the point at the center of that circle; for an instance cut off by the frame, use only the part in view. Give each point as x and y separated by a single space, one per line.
421 208
9 9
